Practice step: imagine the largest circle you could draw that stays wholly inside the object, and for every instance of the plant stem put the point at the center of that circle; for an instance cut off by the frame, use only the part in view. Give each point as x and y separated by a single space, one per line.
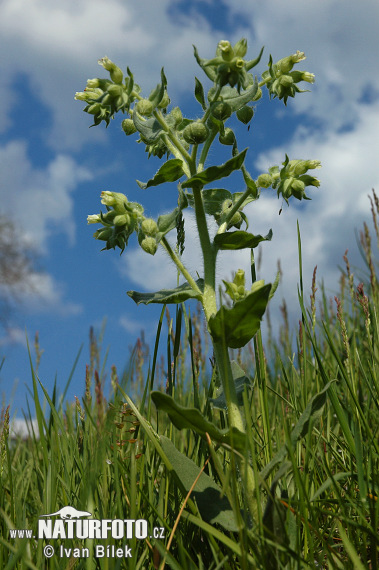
180 266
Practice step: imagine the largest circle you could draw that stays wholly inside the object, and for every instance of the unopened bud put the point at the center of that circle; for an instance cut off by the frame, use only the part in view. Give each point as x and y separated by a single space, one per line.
149 227
115 90
195 133
144 107
240 48
239 278
149 245
264 181
94 219
286 64
177 116
122 220
114 199
165 101
227 138
221 110
128 127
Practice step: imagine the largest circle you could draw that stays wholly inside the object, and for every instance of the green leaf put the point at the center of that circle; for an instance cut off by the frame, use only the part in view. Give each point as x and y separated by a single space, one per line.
239 324
240 381
209 71
216 172
239 240
157 94
213 506
169 172
191 418
199 94
311 413
213 199
231 96
150 129
177 295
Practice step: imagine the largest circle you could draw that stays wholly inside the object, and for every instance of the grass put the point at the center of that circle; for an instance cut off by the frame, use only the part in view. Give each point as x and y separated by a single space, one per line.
312 420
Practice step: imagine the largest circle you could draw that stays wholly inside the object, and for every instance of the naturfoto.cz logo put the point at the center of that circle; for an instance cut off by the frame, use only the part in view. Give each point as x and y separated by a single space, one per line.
75 524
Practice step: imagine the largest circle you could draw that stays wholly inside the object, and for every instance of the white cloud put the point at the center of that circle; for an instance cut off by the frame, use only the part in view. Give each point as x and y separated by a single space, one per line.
35 199
57 46
39 202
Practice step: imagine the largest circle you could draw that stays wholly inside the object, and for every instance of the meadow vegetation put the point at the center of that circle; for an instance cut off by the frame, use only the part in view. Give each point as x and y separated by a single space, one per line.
314 452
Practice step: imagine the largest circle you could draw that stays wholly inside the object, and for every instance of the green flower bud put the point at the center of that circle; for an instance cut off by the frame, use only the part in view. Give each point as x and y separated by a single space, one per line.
149 245
128 127
241 292
240 48
176 114
286 80
286 64
195 133
165 101
264 181
221 110
94 109
227 138
122 220
145 107
245 114
149 227
93 83
239 278
114 71
226 205
116 200
115 90
103 234
226 51
236 220
94 219
298 188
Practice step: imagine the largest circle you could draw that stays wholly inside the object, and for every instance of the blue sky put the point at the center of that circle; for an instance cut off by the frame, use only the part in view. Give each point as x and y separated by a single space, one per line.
53 167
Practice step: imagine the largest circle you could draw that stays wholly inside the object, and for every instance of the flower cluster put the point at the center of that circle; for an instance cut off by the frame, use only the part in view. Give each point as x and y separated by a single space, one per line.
291 180
105 97
236 289
229 67
121 220
281 81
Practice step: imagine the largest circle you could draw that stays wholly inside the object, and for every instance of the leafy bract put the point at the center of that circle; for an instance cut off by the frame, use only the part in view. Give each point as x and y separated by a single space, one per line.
169 172
199 94
191 418
165 296
231 96
239 240
150 129
157 94
238 324
216 172
213 506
